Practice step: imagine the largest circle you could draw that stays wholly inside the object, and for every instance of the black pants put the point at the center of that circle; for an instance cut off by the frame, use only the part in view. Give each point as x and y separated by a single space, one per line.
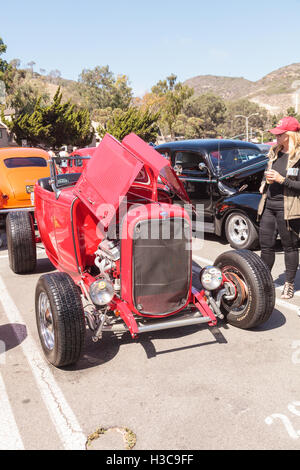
272 220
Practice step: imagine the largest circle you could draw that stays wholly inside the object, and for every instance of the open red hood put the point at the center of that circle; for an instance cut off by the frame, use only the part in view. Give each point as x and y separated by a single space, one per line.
159 165
113 168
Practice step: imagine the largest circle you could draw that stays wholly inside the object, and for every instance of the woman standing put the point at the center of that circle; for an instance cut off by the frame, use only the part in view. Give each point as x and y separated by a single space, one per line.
279 207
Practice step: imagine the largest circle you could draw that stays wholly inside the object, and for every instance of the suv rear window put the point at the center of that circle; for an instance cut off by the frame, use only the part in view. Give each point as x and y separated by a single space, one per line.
17 162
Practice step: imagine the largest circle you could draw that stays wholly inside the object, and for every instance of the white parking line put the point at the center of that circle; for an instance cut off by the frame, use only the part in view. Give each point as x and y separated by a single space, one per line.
279 302
62 416
10 438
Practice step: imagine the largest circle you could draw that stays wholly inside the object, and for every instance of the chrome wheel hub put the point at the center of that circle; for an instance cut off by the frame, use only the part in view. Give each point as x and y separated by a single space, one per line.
46 321
238 229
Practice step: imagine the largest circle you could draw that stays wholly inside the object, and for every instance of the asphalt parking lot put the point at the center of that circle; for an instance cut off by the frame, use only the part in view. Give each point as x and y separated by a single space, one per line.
193 388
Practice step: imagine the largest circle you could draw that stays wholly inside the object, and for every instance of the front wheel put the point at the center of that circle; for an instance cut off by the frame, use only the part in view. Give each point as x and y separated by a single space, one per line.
240 232
60 318
255 292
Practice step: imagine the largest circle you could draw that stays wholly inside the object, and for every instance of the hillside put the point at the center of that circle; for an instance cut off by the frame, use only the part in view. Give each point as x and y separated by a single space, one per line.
274 91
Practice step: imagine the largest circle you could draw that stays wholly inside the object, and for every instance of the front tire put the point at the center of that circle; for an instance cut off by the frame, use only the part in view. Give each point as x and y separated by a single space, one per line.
21 244
240 232
60 318
255 299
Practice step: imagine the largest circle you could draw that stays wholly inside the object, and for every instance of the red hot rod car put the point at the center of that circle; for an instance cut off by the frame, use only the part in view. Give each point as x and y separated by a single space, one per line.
77 160
123 252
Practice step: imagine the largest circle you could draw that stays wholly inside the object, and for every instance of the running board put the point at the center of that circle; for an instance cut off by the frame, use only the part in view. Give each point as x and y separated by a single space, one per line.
185 320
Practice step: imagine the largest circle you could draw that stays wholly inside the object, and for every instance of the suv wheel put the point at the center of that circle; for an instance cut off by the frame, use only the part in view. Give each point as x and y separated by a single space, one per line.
60 318
240 232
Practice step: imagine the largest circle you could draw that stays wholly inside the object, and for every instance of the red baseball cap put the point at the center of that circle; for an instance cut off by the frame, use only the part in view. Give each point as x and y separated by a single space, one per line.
286 124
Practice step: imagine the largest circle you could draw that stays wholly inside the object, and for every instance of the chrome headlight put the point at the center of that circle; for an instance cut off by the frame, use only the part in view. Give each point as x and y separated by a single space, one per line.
102 292
211 277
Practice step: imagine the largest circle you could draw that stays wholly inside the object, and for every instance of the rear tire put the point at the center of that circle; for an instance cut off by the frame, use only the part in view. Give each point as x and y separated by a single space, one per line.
60 318
240 232
256 292
21 245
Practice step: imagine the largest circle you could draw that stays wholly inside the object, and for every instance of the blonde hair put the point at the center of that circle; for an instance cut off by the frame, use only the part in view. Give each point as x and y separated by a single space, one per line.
294 143
294 146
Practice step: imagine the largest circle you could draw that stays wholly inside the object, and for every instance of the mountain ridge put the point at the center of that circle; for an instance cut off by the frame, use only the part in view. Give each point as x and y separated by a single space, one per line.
275 91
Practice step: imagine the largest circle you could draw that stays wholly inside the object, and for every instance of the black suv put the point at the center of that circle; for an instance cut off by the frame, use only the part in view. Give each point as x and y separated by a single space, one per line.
224 176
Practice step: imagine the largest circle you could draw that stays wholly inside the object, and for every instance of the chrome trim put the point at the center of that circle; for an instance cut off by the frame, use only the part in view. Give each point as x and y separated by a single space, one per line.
26 209
185 320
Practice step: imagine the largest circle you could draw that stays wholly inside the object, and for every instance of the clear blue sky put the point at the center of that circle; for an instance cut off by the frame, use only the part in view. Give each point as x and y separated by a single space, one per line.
148 41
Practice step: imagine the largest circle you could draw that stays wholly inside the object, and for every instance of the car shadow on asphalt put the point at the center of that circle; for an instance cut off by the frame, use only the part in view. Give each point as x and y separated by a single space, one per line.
96 354
11 336
3 244
214 238
146 340
276 320
43 265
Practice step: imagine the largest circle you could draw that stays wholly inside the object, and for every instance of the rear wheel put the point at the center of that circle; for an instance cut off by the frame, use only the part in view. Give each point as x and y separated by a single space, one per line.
60 318
255 292
21 245
240 232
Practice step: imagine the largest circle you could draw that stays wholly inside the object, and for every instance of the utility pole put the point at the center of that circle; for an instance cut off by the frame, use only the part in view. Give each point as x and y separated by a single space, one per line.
296 84
247 122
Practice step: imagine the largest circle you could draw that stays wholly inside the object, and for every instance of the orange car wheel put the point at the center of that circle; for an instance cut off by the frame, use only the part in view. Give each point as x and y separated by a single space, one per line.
21 242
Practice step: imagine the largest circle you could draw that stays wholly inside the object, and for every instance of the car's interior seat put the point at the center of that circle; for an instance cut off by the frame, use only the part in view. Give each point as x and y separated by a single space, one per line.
65 180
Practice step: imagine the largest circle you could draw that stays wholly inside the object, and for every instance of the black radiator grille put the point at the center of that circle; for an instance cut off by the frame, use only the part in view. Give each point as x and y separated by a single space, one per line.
161 265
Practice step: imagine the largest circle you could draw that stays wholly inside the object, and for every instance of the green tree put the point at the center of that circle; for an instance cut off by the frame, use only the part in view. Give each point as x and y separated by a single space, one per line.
174 95
121 123
189 127
103 115
100 89
3 63
210 109
54 125
23 93
5 69
292 112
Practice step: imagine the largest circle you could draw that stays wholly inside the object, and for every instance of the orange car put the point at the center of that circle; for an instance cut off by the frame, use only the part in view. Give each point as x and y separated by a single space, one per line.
20 168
